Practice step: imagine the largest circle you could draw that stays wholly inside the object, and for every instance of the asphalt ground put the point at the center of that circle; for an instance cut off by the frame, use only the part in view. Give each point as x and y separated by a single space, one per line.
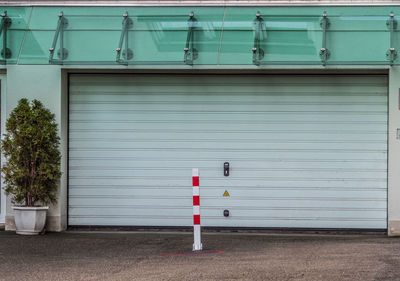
168 256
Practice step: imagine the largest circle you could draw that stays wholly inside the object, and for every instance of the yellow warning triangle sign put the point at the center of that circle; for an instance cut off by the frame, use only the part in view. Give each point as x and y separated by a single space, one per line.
226 193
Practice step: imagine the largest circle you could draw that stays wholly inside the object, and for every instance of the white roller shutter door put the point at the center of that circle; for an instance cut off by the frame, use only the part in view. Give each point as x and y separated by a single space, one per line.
304 151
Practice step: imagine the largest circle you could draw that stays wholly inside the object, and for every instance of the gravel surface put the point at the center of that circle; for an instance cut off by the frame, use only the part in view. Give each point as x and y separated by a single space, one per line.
167 256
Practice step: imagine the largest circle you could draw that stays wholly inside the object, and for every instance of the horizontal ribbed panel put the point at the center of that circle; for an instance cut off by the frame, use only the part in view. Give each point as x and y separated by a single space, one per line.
304 151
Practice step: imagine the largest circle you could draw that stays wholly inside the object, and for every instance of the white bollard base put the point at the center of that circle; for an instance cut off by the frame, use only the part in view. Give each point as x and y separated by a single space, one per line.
197 247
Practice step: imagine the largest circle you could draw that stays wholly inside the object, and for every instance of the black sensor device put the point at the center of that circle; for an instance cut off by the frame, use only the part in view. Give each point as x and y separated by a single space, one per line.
226 169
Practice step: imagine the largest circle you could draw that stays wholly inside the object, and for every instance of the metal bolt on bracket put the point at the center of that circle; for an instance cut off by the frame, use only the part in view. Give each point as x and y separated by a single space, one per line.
391 55
391 23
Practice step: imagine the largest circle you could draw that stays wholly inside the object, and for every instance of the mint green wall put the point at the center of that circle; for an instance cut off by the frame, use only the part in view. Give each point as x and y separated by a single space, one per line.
357 35
49 84
43 83
394 153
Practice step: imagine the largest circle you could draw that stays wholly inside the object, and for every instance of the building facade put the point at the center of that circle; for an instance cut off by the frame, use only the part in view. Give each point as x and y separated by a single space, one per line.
289 109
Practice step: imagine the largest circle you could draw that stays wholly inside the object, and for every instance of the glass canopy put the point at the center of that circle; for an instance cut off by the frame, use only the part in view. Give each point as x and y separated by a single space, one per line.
198 36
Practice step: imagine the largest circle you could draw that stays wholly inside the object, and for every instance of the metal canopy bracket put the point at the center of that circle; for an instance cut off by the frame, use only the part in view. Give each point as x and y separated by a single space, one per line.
127 53
324 53
62 53
258 52
391 23
5 25
191 53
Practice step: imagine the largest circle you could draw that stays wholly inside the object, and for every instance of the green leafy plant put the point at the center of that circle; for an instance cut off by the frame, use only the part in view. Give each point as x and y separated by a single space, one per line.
31 146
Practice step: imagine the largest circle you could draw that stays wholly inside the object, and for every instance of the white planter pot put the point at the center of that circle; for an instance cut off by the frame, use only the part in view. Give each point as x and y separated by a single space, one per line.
30 220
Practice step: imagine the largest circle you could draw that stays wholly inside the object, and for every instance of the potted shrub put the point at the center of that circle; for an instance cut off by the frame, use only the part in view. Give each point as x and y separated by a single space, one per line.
32 170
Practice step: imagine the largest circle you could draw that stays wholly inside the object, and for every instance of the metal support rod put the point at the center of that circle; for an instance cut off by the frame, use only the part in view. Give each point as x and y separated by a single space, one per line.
62 38
324 53
126 37
62 52
127 53
53 45
391 54
191 53
5 24
4 17
258 52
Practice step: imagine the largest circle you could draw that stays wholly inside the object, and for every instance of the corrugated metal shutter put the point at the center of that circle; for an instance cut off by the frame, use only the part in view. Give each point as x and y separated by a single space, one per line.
304 151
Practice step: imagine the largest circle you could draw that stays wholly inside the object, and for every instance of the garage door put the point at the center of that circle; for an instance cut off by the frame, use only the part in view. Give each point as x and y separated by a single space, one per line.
304 151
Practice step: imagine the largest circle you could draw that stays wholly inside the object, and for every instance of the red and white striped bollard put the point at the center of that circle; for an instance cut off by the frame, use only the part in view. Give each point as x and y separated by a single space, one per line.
197 246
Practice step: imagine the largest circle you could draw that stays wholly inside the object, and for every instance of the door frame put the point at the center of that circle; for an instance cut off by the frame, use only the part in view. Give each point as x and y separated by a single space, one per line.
2 119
